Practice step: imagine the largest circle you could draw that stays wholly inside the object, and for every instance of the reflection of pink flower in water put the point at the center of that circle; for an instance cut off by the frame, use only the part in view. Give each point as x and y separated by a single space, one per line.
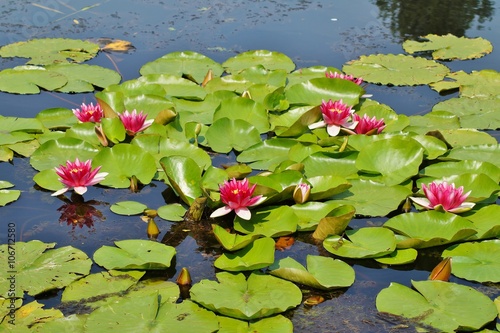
237 196
335 115
335 75
80 214
444 196
78 175
134 122
89 113
367 125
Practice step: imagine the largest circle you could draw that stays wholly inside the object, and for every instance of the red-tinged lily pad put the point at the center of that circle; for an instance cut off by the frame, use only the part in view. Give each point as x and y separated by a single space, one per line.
439 304
135 254
29 80
187 63
270 60
450 47
256 255
271 221
275 324
124 161
430 228
321 273
476 261
41 268
399 70
371 242
258 297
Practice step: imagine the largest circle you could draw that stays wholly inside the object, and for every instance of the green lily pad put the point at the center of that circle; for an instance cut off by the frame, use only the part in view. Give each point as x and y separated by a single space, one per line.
477 84
56 152
485 222
247 109
399 257
311 213
83 78
444 169
124 161
172 212
321 273
175 86
305 74
430 228
28 317
184 175
29 80
368 242
314 91
480 113
372 198
477 261
327 186
467 137
232 242
135 254
190 63
55 118
145 313
335 222
396 159
128 208
256 255
238 135
258 297
399 70
7 196
275 324
270 60
46 51
41 268
271 221
267 154
486 153
439 304
72 323
432 121
450 47
322 164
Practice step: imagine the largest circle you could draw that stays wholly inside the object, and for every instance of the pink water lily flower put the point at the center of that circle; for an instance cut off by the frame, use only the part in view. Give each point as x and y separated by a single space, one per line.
367 125
335 75
444 196
301 193
237 196
89 113
78 175
135 122
335 116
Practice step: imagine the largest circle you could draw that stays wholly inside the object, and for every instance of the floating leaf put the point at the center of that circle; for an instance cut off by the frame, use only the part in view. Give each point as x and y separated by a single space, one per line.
270 60
439 304
322 272
232 242
477 261
7 196
429 228
487 153
271 221
399 257
335 222
29 80
256 255
135 254
477 84
46 51
479 113
267 154
238 135
399 70
258 297
485 221
29 316
275 324
83 78
172 212
368 242
128 208
184 175
40 268
245 109
450 47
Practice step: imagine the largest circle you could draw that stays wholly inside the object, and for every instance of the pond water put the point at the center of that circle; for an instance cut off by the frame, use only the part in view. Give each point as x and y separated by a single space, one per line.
311 33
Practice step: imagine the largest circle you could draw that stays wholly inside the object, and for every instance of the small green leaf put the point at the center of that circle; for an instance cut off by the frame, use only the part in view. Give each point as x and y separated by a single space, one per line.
172 212
128 208
256 255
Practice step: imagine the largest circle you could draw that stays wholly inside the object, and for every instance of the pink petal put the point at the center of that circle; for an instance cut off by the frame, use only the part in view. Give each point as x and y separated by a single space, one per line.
221 211
244 213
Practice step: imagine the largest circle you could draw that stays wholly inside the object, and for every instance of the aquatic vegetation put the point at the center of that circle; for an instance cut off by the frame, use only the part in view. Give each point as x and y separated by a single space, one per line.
78 176
367 125
134 122
336 115
444 196
89 113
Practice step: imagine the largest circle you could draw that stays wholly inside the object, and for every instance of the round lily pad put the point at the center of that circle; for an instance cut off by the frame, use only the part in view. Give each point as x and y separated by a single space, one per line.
258 297
128 208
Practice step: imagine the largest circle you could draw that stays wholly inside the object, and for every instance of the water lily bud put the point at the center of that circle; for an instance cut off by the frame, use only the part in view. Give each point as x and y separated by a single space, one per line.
152 213
133 184
301 193
152 230
184 277
208 77
407 205
101 136
442 271
246 94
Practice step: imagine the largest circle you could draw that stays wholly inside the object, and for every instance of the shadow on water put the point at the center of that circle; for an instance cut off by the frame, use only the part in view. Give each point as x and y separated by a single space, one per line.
311 33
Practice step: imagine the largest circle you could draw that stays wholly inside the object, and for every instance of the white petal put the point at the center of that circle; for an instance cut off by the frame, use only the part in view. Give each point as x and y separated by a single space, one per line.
80 189
317 125
424 202
464 207
333 130
61 191
221 211
244 213
261 200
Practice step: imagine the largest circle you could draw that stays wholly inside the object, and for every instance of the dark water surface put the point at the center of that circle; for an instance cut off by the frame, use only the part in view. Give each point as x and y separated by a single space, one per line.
324 32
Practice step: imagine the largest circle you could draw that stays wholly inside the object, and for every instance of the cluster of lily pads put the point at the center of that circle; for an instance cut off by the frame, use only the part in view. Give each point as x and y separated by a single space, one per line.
301 167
